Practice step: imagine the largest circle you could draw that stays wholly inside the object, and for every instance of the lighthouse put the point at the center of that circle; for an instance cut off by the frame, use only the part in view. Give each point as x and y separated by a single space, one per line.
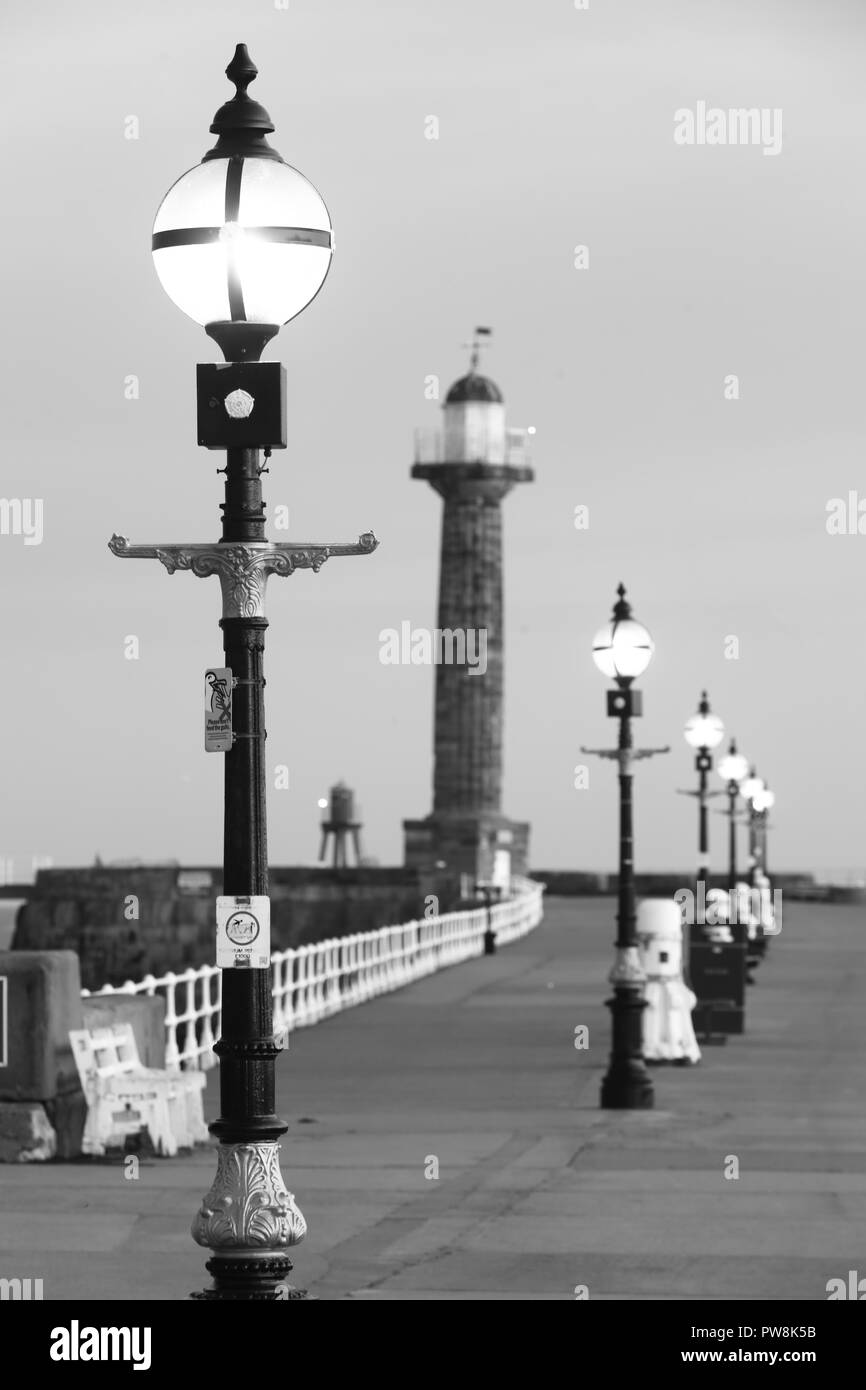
472 462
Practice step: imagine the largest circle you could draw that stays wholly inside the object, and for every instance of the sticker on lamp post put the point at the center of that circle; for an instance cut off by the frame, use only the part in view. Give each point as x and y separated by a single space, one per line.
243 933
218 737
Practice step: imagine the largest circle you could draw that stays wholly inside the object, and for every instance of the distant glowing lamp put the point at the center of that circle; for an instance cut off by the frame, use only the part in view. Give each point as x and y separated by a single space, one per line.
765 800
704 729
751 786
733 767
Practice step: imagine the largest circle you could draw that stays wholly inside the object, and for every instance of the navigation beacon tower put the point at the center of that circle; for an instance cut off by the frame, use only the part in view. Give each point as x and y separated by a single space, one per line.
472 462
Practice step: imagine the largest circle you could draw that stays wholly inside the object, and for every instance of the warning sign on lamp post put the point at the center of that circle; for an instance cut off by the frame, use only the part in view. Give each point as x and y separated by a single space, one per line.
218 735
243 933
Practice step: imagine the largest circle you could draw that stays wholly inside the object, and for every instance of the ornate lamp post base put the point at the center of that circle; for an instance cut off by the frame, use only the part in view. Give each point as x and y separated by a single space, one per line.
628 1084
244 1271
249 1220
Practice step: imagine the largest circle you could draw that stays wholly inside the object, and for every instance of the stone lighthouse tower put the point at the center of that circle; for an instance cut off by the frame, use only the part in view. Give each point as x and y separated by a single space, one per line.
472 462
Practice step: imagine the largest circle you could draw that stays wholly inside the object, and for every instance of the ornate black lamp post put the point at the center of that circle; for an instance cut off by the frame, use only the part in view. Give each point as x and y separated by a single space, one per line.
703 732
622 650
489 893
761 802
750 788
762 805
242 243
732 769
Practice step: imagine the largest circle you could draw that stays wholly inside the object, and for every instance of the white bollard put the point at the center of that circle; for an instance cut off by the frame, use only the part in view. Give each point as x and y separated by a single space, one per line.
667 1023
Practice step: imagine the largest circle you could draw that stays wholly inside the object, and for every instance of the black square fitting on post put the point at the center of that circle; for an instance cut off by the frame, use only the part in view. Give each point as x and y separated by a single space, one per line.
241 405
625 702
703 762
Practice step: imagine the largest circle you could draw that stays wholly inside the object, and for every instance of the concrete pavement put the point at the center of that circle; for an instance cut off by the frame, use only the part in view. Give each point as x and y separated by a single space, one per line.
473 1074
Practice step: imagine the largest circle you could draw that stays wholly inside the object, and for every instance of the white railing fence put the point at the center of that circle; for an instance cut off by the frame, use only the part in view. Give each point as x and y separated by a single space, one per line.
312 982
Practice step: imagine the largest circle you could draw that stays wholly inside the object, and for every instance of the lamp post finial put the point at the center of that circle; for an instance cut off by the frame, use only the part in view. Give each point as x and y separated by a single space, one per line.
241 70
622 608
241 123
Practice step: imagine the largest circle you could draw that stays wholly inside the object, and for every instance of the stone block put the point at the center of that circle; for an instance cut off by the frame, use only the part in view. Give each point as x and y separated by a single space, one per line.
67 1114
146 1014
44 1003
26 1133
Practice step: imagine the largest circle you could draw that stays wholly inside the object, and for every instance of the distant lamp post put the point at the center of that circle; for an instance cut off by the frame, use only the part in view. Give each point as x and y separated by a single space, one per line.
703 732
763 803
489 893
622 650
242 243
732 768
751 787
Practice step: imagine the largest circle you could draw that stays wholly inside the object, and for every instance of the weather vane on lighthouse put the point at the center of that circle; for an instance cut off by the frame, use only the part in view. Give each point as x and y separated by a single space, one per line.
476 345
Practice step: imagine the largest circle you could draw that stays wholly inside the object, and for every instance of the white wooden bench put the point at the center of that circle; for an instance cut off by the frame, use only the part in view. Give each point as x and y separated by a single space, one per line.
123 1097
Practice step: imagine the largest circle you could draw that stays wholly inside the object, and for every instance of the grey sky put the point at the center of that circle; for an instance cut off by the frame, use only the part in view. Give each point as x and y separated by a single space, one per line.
555 129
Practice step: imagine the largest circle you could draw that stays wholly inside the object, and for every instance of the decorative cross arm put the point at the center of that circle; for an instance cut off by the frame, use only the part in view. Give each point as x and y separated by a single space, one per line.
624 756
243 567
